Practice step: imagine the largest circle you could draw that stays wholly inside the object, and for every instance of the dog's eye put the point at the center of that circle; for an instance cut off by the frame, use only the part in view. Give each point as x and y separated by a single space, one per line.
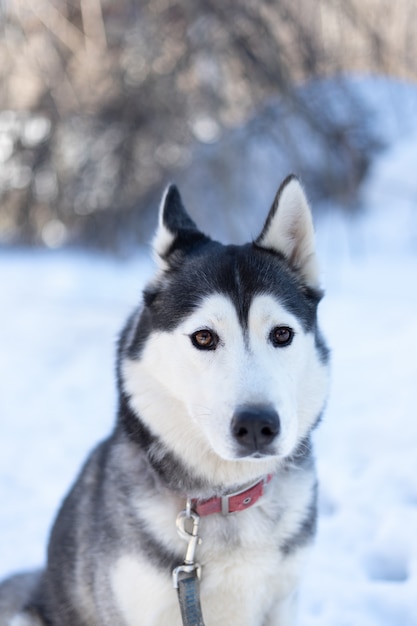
281 336
204 339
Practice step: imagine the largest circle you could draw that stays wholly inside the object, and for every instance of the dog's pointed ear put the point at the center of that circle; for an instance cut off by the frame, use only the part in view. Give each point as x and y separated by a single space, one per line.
289 231
176 230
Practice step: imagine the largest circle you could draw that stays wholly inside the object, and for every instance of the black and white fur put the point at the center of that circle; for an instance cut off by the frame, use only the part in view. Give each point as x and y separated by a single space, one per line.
222 375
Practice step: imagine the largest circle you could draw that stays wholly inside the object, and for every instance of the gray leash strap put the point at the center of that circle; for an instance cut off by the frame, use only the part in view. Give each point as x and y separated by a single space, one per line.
186 577
189 599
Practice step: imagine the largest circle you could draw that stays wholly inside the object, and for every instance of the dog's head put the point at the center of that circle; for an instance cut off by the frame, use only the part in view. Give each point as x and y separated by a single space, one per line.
225 359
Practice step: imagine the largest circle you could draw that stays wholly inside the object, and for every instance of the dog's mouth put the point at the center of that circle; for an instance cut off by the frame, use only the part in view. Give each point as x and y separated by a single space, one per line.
257 455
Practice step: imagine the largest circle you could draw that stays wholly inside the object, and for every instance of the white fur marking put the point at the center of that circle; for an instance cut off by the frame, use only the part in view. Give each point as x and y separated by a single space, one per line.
291 232
163 238
143 595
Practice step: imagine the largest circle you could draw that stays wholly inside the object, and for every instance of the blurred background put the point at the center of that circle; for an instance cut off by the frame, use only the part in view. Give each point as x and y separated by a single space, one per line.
103 102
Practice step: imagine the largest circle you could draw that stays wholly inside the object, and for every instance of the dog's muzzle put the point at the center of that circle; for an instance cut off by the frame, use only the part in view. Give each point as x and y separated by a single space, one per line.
254 428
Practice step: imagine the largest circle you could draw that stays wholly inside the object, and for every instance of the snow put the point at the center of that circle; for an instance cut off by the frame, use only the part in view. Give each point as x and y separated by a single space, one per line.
60 315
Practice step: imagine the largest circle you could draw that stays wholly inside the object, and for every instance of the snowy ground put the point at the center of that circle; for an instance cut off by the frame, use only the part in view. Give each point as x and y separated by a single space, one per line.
59 317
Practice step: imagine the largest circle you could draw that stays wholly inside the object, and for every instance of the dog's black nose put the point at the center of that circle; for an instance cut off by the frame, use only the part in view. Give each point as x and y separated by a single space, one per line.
254 427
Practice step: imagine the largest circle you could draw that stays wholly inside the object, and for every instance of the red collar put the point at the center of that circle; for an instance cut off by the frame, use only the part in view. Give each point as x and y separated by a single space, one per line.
232 503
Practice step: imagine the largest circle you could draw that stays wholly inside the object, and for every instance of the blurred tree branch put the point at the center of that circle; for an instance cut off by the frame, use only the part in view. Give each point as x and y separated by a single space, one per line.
103 101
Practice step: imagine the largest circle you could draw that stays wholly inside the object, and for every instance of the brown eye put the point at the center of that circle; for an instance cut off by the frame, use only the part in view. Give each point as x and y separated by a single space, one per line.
281 336
204 339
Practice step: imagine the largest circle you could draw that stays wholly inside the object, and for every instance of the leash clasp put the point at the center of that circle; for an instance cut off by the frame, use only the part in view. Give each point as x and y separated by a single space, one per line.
187 527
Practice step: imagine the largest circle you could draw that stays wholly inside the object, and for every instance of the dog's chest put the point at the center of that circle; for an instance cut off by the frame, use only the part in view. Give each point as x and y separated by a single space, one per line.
243 574
238 591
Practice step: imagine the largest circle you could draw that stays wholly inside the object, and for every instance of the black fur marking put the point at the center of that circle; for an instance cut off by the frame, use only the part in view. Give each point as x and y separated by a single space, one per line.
322 348
170 470
135 429
179 223
183 243
306 530
156 552
134 334
238 272
174 214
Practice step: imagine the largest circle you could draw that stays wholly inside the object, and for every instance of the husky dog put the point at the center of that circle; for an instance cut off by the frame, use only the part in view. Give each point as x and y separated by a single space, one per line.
222 376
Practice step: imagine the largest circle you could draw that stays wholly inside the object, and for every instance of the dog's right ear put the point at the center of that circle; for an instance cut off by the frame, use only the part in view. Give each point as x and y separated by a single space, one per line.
176 232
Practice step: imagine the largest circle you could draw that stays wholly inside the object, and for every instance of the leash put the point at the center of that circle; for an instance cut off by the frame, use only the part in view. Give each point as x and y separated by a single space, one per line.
186 577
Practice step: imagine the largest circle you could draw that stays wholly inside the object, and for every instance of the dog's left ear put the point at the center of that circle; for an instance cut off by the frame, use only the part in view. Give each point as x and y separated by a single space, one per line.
289 231
176 232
